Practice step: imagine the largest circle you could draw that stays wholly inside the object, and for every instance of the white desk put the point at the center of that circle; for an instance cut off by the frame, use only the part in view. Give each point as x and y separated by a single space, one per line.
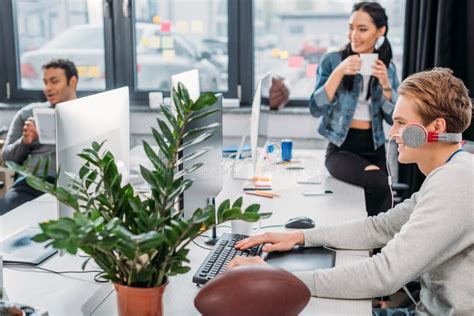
65 295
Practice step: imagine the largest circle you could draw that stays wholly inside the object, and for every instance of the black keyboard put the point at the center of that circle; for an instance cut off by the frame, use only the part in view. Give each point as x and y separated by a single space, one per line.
223 252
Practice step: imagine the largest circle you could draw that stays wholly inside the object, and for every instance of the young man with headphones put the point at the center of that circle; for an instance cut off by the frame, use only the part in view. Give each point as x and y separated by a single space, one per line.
430 235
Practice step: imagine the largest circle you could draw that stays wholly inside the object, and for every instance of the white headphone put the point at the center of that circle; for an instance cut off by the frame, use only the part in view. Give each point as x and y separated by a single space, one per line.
415 135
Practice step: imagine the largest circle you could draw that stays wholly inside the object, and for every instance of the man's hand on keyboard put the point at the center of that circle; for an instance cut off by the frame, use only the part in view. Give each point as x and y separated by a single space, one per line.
241 261
276 241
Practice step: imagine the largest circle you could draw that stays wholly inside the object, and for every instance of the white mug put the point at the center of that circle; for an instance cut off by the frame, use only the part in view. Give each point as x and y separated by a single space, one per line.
368 61
242 227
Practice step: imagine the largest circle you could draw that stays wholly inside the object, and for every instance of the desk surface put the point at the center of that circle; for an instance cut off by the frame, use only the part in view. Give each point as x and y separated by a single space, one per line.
62 295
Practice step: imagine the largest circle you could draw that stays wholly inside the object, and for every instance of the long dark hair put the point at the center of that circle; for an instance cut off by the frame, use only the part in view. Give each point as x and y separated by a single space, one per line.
377 13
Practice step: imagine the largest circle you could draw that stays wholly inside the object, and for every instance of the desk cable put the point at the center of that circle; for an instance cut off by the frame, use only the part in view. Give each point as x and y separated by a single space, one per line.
390 184
61 273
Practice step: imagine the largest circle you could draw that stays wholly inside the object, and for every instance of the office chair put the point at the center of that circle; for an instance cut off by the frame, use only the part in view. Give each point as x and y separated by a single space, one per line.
253 290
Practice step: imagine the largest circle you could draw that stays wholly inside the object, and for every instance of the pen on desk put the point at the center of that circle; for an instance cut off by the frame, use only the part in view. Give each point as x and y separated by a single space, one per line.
258 189
269 195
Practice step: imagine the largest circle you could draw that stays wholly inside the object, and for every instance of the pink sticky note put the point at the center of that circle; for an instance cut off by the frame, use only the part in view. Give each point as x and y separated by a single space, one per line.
295 61
165 26
311 70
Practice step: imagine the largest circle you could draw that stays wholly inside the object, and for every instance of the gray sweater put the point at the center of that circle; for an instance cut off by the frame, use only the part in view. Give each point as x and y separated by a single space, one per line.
430 235
17 151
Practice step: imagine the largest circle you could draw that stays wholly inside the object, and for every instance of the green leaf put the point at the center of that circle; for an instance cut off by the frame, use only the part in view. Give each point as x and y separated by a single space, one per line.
197 140
224 205
202 114
84 170
237 203
228 214
193 155
254 208
250 217
199 130
183 93
204 100
152 156
170 117
166 132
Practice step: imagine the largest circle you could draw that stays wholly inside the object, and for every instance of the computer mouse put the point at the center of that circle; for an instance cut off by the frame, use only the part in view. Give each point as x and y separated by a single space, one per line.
300 222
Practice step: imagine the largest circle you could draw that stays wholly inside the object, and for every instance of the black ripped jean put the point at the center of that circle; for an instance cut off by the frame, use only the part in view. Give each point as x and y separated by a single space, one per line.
348 163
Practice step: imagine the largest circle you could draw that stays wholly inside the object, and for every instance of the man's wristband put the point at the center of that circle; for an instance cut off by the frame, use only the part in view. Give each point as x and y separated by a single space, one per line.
387 89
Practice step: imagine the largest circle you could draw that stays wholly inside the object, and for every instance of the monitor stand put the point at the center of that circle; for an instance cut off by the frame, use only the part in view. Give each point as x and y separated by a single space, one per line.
212 240
243 169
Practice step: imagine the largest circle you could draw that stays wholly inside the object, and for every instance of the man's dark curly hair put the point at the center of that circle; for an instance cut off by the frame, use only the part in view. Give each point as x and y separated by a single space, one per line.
65 64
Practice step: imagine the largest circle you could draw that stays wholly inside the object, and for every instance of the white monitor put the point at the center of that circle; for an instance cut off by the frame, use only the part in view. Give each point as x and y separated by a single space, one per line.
190 79
255 127
207 180
99 117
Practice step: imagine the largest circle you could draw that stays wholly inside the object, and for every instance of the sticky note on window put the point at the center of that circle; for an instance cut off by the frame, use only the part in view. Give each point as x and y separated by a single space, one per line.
283 54
197 27
276 52
165 26
157 19
296 62
145 41
167 42
169 54
155 42
182 27
311 70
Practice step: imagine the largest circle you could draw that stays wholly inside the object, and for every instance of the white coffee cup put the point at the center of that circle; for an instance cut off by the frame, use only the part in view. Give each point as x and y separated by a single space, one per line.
368 60
242 227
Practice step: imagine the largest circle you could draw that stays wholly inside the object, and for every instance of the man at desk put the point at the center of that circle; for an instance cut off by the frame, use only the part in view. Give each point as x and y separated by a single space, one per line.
60 82
430 235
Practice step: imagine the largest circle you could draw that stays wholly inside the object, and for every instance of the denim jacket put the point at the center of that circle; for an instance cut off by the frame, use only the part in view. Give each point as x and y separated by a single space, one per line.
337 115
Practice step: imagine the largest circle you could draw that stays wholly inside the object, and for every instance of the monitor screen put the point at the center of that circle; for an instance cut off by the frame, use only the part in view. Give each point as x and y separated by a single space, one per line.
99 117
207 180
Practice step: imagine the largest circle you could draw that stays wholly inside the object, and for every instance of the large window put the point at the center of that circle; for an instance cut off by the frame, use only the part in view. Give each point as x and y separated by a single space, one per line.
141 43
70 29
170 39
291 36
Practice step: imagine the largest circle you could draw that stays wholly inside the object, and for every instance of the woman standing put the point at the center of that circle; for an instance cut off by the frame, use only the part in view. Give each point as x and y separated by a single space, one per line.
353 106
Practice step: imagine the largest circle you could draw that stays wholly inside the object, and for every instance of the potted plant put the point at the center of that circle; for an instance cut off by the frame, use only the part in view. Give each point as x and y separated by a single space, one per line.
138 241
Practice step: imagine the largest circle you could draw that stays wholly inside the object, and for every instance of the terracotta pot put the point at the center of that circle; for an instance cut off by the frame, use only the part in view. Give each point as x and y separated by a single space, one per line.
135 301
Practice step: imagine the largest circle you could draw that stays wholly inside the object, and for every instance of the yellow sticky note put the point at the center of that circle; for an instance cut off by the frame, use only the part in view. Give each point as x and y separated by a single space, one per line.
145 41
155 42
182 27
276 52
167 42
94 72
284 54
197 27
169 54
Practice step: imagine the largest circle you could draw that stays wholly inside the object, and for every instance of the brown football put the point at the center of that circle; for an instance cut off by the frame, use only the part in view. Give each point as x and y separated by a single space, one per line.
253 290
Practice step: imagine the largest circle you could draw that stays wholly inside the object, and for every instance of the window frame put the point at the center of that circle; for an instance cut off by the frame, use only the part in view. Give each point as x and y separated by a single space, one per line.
119 32
126 34
12 75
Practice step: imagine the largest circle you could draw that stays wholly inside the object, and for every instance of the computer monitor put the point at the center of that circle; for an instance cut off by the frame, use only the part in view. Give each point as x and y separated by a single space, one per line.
99 117
207 180
256 127
190 79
